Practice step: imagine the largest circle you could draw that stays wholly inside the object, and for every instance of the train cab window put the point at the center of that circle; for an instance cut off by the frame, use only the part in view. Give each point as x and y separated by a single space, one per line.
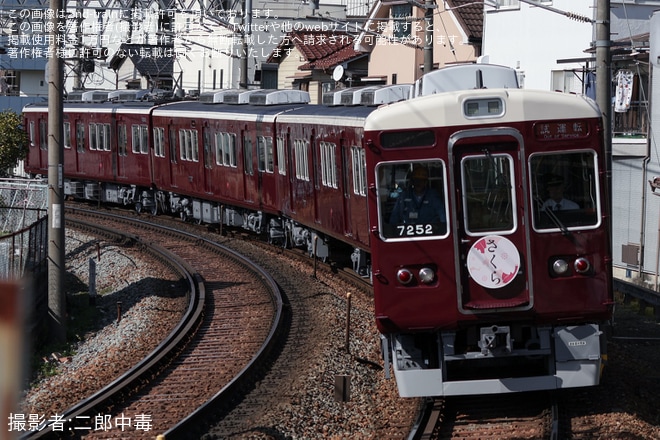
564 190
412 199
67 135
488 194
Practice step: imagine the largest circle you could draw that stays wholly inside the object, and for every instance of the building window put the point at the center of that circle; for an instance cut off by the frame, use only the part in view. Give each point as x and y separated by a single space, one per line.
402 20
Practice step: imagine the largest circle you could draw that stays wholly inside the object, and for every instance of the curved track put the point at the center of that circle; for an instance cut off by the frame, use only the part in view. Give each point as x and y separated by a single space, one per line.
232 322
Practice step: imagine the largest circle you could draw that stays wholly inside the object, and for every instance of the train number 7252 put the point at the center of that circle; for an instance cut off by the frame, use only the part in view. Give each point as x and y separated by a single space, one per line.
414 230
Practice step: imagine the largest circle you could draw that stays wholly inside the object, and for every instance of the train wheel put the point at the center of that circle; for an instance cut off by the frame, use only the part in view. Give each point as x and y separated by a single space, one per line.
138 207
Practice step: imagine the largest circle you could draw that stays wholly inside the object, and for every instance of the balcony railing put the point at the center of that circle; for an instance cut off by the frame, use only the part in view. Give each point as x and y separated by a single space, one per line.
633 123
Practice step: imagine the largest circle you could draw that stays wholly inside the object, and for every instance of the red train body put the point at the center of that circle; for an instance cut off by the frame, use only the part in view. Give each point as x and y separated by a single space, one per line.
479 288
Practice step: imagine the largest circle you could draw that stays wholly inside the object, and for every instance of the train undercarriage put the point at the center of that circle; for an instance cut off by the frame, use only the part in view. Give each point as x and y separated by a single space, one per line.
495 359
279 230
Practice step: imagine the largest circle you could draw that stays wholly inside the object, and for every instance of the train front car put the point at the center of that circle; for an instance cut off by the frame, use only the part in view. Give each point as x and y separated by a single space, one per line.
490 240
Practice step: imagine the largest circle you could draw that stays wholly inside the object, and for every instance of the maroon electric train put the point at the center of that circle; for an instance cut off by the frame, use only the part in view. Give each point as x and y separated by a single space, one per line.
477 208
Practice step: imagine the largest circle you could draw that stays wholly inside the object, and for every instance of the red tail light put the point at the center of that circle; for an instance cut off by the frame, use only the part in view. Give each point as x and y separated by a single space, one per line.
404 276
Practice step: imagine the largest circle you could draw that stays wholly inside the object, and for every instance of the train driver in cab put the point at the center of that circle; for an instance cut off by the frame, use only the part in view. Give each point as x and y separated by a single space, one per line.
418 203
556 201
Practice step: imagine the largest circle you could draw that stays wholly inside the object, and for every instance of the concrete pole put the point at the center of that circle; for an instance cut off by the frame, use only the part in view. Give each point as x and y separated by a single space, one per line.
428 36
56 270
604 79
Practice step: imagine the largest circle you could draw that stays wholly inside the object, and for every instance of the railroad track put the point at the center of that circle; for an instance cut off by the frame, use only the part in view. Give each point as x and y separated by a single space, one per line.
533 416
235 313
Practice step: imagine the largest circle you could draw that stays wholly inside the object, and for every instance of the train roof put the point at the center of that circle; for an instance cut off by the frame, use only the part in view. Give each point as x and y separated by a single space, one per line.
239 112
328 115
516 105
96 107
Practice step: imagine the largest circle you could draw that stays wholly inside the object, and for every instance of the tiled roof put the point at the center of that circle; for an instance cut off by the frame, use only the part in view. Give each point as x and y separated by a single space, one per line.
322 50
471 15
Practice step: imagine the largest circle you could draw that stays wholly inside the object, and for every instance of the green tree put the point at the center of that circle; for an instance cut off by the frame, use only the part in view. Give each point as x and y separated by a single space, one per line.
14 141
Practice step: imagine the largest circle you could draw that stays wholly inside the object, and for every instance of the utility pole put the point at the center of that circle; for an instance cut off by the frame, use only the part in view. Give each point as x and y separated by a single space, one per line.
247 24
428 36
56 294
604 78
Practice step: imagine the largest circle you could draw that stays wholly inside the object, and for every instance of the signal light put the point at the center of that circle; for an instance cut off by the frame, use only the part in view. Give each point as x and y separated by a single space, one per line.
404 276
582 265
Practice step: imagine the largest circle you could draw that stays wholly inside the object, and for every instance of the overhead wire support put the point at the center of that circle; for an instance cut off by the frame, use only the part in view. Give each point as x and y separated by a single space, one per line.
571 15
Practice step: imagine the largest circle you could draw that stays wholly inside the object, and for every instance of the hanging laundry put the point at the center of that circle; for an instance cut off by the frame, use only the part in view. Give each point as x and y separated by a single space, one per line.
624 85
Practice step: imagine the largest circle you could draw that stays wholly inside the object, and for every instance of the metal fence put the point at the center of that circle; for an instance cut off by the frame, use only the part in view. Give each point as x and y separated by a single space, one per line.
23 227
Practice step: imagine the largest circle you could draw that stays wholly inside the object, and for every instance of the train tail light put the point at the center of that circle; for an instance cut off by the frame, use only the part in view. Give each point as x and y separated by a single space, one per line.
562 267
582 265
426 275
404 276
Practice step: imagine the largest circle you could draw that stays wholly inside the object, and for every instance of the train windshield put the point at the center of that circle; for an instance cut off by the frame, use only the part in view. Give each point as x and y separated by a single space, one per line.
412 199
565 190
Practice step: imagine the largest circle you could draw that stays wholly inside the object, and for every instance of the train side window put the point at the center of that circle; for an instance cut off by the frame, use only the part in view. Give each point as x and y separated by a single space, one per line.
188 145
412 199
140 140
159 142
122 140
564 190
67 135
104 137
300 147
359 168
328 154
265 152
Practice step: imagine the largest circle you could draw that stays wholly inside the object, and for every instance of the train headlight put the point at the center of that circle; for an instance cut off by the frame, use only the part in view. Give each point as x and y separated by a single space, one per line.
582 265
426 275
560 267
404 276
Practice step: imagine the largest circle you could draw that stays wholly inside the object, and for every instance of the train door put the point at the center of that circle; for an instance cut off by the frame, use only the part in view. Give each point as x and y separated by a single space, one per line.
316 185
122 148
250 187
172 151
80 145
208 159
490 232
345 185
266 169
